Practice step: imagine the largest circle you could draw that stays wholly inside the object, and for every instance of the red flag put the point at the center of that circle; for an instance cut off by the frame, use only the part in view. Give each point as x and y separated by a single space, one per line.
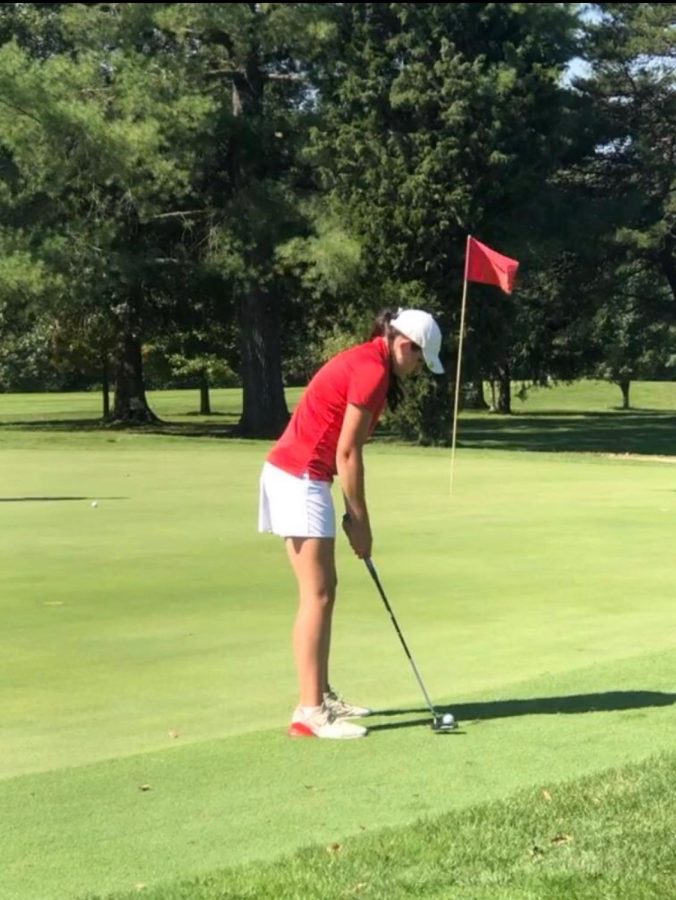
489 267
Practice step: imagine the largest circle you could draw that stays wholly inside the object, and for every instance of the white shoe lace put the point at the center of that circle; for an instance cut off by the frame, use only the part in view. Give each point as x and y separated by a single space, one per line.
339 705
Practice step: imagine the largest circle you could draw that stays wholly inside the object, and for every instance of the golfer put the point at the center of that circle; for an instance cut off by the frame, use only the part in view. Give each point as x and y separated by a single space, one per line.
325 437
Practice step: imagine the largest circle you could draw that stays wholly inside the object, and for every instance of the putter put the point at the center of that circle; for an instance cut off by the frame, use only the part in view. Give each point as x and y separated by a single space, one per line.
441 724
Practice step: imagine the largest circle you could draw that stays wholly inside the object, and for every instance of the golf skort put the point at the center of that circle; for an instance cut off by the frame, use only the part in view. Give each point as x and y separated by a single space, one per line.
295 507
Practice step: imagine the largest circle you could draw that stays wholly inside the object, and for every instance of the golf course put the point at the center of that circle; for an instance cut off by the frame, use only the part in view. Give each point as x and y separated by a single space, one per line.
147 677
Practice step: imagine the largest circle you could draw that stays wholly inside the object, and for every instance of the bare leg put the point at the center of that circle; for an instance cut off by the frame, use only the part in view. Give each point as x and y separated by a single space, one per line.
326 649
313 563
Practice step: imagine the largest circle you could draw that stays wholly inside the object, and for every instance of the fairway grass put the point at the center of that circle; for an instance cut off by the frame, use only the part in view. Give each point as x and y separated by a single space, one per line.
146 676
605 836
578 398
156 818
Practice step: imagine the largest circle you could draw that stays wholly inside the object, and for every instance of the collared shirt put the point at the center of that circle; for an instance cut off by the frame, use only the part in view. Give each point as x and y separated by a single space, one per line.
359 376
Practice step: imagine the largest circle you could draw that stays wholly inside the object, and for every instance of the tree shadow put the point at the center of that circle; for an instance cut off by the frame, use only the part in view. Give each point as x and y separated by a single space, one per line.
643 432
54 424
574 704
196 429
219 429
54 499
636 431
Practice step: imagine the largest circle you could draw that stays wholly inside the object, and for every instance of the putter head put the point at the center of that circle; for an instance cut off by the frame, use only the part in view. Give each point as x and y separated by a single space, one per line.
444 724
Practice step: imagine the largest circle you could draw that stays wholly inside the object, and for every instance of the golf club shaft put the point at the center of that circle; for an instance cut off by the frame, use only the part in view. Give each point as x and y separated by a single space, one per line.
374 575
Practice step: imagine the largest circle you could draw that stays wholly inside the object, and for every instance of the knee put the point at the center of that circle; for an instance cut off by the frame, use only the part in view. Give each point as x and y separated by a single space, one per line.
327 594
324 592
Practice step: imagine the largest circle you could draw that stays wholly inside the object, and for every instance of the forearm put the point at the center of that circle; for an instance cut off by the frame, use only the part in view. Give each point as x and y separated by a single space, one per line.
350 465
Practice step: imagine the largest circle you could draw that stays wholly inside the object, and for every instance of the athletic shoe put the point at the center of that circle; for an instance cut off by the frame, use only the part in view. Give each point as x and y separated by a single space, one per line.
341 709
322 723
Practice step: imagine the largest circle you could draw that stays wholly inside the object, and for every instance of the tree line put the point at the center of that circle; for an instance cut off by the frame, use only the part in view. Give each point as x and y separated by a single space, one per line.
219 194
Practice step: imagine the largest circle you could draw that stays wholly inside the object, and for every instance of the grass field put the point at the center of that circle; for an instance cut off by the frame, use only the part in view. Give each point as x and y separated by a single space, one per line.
147 678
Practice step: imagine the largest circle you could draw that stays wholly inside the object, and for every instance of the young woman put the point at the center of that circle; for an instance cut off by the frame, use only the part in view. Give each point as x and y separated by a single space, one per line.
325 437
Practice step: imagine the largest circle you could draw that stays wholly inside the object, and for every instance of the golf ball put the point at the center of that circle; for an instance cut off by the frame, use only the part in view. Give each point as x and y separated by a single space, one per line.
94 504
447 719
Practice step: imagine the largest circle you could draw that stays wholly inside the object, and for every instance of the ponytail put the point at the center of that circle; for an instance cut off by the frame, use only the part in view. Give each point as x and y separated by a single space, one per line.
381 325
382 328
395 392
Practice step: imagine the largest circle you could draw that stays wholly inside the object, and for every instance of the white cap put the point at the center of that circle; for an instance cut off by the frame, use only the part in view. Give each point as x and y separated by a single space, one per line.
420 327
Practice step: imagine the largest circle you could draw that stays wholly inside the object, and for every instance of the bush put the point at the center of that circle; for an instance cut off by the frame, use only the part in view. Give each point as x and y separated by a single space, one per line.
425 414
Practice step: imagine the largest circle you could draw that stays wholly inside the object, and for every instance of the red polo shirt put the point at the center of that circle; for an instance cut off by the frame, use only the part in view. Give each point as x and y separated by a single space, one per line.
359 376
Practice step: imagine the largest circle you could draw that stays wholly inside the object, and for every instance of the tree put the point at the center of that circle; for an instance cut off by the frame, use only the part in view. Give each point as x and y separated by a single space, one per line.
634 339
100 146
23 338
192 358
255 60
441 120
631 48
165 138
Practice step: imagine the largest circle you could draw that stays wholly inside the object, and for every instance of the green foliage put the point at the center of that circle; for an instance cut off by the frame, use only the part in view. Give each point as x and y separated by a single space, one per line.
327 261
633 88
425 414
635 341
440 120
22 276
24 365
166 368
173 169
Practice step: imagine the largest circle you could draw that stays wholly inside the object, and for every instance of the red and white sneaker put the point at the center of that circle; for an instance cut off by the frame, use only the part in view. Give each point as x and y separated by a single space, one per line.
341 709
320 722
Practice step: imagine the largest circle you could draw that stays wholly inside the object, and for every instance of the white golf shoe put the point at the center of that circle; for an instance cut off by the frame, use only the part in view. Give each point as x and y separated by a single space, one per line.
341 708
322 723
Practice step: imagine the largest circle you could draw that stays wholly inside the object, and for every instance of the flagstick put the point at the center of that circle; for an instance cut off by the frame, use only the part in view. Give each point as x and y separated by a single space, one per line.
457 376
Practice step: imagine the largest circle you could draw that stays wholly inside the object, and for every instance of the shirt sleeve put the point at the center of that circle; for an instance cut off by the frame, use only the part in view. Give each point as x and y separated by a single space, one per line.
368 387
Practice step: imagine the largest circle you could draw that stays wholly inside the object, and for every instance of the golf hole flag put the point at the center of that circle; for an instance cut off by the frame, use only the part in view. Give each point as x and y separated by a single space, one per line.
489 267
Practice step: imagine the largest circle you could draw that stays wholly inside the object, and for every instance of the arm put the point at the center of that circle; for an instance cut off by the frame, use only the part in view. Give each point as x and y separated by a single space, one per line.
350 467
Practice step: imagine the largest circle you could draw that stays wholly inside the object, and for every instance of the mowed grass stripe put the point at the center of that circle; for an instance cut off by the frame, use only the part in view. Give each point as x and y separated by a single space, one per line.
147 676
163 816
606 836
165 611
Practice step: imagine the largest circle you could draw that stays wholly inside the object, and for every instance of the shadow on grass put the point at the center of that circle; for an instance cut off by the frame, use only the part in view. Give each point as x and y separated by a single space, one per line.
645 432
53 499
610 701
220 429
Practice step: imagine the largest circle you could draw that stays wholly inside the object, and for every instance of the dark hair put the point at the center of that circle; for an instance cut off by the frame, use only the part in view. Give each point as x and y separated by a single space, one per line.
382 328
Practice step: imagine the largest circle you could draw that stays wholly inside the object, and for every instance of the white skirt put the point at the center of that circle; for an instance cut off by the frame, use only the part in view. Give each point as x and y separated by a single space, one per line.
295 507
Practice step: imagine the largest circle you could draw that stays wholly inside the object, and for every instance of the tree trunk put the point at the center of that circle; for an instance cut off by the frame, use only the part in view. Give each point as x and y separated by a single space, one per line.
105 385
668 262
264 409
131 406
624 384
494 401
504 391
205 402
472 395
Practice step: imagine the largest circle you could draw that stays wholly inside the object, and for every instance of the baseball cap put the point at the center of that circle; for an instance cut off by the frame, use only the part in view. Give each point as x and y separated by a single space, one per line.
419 326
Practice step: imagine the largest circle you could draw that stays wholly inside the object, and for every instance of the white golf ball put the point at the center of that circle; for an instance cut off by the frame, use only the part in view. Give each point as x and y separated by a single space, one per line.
447 719
94 504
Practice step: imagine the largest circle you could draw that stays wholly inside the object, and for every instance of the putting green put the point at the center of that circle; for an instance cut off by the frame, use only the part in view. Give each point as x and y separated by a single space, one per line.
147 675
